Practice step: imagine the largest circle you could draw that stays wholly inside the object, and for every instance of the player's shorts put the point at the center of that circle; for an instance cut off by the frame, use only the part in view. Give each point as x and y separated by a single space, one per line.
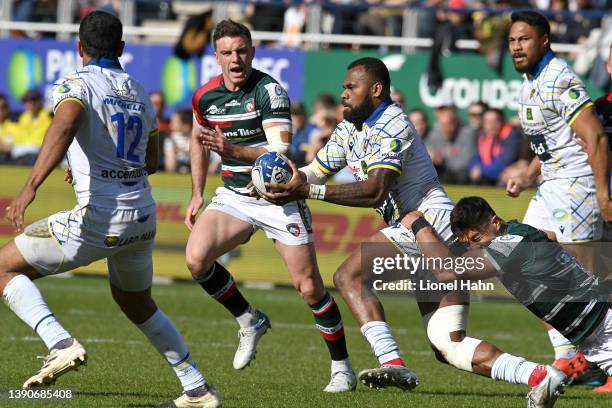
405 241
597 348
70 239
290 224
567 207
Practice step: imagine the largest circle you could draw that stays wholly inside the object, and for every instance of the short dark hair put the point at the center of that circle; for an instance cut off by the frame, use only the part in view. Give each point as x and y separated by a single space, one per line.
377 69
185 116
100 35
230 28
470 213
532 18
499 113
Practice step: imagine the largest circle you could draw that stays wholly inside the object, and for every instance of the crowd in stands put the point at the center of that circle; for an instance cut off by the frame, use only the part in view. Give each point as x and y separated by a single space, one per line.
486 149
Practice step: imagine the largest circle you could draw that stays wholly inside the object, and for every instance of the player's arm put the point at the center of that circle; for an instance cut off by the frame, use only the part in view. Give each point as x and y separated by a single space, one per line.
588 128
198 155
152 155
66 122
369 193
432 247
518 184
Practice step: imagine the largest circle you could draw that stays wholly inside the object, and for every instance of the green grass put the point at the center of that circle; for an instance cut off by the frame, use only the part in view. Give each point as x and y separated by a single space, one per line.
292 365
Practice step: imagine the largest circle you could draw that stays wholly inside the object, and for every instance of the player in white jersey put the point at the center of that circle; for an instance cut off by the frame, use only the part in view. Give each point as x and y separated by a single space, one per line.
573 200
395 175
105 124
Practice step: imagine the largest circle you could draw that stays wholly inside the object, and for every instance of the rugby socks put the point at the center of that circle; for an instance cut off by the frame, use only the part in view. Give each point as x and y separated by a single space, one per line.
164 336
563 347
329 322
383 345
23 297
219 284
517 370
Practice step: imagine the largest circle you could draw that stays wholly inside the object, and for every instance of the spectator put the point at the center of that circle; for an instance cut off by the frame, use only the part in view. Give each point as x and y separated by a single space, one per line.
420 122
301 133
498 146
398 97
159 104
475 112
294 21
325 122
451 145
176 145
32 126
7 130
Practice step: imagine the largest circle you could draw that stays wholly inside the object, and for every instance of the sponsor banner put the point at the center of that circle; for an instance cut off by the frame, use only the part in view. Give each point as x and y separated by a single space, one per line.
338 230
467 79
38 64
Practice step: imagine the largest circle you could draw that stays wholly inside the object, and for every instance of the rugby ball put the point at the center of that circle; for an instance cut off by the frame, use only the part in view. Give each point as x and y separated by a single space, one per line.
270 167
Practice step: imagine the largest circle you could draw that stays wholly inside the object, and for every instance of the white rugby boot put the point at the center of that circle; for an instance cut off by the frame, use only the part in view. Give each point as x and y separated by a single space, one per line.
247 341
206 397
548 390
58 363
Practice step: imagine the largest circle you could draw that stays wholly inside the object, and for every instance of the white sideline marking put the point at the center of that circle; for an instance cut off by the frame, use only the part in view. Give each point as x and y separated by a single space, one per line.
86 340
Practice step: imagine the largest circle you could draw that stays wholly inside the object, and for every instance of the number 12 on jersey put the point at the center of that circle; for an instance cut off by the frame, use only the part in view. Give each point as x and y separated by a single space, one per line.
134 129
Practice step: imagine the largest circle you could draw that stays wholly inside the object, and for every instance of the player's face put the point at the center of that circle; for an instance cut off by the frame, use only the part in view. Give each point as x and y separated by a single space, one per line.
356 98
526 45
481 237
235 56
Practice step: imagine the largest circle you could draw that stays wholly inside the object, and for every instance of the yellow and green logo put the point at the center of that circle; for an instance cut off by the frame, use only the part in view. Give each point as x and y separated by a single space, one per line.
574 94
395 145
529 114
24 72
178 81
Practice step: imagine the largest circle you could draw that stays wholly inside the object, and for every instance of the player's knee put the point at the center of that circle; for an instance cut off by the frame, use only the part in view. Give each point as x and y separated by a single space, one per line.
438 354
197 262
308 290
458 351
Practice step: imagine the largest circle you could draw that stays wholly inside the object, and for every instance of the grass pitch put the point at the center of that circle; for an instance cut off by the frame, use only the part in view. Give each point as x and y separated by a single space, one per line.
292 364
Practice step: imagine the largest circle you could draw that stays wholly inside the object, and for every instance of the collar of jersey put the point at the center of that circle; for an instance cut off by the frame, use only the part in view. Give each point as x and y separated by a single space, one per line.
371 120
104 62
546 58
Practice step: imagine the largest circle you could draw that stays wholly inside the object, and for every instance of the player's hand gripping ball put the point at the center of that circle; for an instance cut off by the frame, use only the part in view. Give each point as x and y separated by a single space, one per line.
270 167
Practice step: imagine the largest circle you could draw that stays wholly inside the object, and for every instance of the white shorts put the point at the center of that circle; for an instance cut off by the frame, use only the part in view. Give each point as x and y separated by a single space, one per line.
290 224
404 239
567 207
70 239
597 348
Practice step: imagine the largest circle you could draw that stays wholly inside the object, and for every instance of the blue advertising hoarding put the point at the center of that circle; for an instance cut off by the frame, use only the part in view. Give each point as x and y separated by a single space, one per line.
28 64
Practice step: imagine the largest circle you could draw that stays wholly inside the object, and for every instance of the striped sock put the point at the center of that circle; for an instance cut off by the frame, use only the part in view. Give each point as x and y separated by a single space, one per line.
164 336
219 284
329 322
381 340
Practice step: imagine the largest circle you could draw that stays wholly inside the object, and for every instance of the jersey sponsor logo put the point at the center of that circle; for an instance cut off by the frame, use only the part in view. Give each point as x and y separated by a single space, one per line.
529 114
214 110
364 167
505 244
395 145
249 105
573 98
63 89
294 229
560 214
124 174
233 102
533 116
129 105
278 96
573 93
115 241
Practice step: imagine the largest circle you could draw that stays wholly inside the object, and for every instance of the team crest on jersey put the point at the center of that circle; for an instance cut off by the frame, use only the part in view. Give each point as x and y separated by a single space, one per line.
529 114
123 91
249 105
294 229
564 258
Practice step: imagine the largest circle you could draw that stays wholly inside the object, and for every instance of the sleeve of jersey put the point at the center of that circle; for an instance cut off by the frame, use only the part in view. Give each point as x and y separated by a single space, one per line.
573 98
332 157
71 88
395 139
274 103
195 106
503 250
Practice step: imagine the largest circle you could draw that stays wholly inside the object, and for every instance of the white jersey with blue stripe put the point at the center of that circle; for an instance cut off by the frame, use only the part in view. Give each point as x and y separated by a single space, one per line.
387 140
107 155
550 99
